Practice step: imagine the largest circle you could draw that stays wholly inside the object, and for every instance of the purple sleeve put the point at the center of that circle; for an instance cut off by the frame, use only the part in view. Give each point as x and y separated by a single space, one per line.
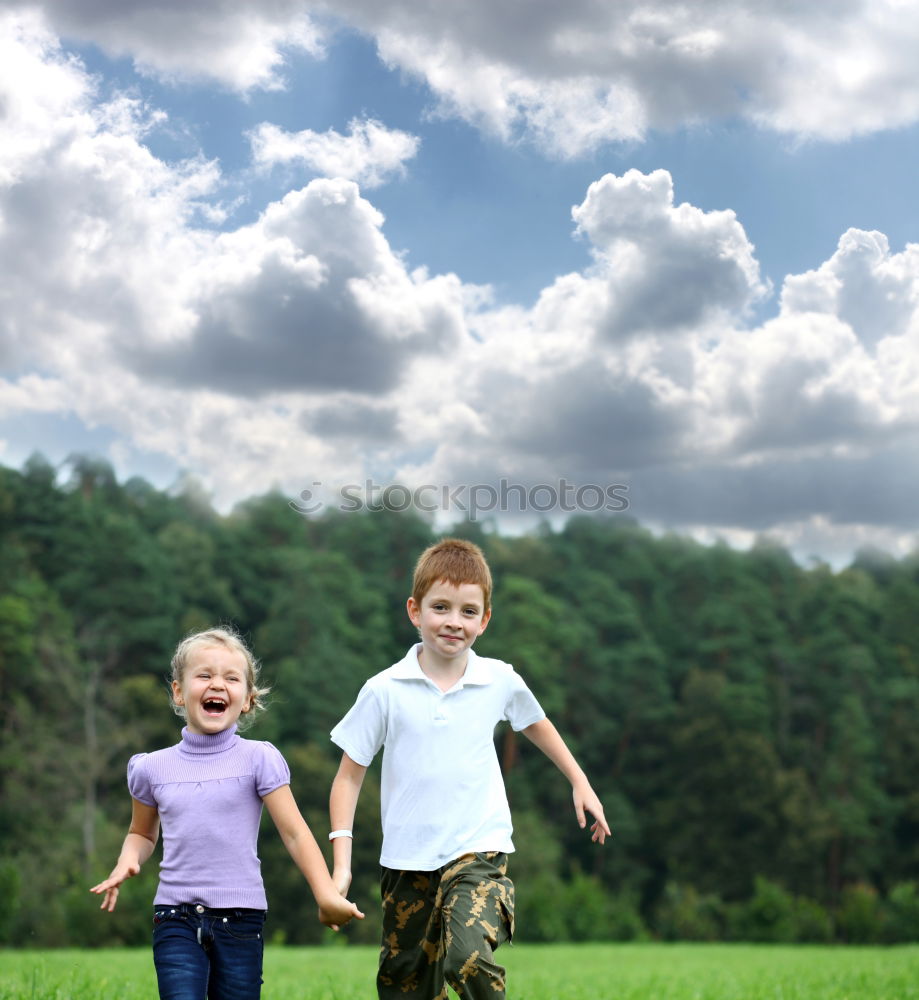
139 781
271 770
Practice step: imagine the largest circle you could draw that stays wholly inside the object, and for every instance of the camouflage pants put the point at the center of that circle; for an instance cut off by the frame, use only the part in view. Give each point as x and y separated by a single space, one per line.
443 927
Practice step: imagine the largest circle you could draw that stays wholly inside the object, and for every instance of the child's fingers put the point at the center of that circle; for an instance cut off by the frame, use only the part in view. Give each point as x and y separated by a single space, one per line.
110 899
596 810
600 830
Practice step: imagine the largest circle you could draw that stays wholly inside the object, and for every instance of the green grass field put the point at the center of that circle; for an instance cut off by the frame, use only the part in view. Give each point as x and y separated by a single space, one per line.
553 972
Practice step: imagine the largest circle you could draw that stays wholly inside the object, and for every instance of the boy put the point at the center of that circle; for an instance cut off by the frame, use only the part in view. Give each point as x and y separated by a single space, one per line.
447 900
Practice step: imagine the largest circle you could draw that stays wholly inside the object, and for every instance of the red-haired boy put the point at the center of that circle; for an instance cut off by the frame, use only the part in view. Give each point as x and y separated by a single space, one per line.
447 900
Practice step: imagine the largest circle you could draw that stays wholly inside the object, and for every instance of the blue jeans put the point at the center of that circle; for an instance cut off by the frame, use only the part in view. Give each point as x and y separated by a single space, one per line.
203 953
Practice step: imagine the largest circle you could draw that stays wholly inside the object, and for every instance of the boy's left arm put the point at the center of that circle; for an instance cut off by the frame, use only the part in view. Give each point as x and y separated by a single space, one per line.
544 735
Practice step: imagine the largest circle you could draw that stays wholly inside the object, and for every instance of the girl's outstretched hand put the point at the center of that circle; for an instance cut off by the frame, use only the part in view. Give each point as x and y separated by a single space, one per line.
336 912
137 847
120 873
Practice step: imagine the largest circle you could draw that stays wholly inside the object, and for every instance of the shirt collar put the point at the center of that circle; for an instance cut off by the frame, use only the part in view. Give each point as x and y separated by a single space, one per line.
477 671
409 669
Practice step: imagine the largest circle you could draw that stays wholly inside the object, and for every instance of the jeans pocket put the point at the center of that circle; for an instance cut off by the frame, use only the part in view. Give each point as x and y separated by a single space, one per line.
244 928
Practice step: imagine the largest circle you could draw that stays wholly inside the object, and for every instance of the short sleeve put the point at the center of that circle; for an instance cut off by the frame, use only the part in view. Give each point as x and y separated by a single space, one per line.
139 781
522 709
362 731
271 770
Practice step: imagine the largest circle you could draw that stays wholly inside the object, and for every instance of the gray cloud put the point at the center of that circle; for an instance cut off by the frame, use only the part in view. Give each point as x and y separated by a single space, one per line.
325 306
875 488
356 419
271 337
789 413
584 421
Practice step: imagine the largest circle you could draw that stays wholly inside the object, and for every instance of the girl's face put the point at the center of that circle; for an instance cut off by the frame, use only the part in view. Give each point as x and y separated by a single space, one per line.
214 689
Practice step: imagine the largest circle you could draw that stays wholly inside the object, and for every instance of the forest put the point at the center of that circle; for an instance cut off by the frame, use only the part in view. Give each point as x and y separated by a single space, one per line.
749 723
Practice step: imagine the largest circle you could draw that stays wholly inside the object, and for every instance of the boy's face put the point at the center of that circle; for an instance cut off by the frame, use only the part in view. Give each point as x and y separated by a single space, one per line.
450 618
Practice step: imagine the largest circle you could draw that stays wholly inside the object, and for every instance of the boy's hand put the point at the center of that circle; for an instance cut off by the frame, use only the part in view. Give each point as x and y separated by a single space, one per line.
586 799
337 911
120 873
547 738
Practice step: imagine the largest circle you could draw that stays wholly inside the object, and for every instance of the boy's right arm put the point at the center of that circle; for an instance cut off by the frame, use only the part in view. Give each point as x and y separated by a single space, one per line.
137 847
342 803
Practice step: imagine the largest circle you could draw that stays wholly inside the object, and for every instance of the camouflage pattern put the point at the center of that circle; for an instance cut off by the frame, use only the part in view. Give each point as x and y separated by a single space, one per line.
443 927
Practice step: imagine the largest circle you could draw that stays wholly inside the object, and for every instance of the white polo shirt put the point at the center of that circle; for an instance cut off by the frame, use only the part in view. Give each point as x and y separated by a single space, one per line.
442 794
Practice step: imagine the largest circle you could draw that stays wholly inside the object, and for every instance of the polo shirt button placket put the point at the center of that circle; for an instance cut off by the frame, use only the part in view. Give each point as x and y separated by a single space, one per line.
440 717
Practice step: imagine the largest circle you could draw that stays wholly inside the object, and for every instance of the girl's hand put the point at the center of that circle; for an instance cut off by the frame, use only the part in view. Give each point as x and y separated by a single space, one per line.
121 872
342 879
337 911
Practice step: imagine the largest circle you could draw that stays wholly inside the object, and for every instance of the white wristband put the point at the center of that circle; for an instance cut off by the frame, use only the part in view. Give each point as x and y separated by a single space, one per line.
335 834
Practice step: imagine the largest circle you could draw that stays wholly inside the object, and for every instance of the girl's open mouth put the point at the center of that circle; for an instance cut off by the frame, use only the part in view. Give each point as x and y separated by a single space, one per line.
214 707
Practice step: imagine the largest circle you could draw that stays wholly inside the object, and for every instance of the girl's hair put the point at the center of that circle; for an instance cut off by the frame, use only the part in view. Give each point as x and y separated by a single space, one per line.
456 561
226 636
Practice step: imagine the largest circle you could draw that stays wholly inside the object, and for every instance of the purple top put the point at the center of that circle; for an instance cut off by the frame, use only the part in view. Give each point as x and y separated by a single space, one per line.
208 791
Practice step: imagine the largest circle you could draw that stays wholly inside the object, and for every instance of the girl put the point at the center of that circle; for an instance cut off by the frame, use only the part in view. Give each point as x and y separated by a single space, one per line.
208 792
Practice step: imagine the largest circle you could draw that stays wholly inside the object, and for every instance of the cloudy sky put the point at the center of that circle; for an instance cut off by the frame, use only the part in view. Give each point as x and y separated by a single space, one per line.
667 247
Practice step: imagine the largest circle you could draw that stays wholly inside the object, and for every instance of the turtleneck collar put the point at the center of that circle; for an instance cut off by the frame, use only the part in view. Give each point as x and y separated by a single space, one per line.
205 743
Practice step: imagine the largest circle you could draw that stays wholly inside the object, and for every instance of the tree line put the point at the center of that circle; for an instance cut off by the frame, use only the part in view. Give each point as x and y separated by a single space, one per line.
749 723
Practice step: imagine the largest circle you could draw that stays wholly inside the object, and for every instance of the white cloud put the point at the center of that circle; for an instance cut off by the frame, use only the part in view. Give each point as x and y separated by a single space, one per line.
666 267
874 291
168 332
45 92
568 116
369 154
93 228
569 76
847 75
574 76
241 45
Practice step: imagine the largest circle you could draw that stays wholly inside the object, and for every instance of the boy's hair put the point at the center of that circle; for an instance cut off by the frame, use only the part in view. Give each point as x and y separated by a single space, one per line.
226 636
456 561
